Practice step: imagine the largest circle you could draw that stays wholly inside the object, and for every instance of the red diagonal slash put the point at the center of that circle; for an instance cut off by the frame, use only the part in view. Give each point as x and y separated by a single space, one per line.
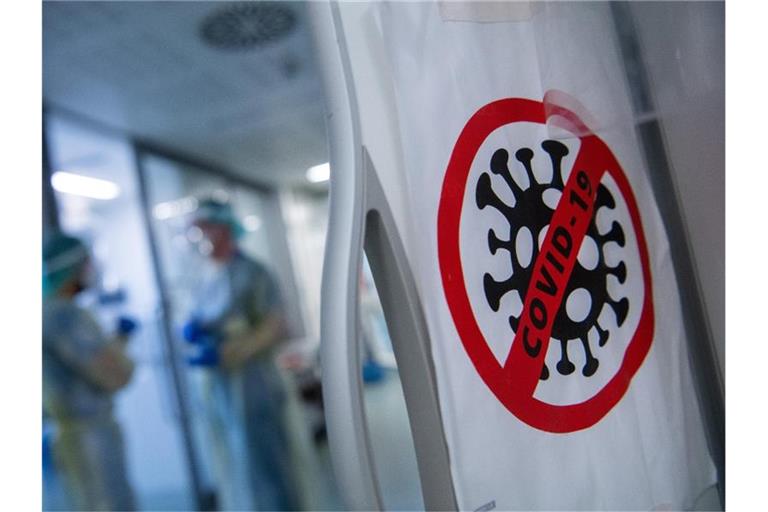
557 255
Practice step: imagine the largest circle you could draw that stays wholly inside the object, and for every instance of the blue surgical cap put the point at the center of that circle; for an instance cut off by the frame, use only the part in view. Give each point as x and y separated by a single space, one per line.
218 212
63 257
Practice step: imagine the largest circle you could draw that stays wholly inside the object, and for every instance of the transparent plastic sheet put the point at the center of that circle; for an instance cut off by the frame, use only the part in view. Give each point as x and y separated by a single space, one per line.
649 450
579 63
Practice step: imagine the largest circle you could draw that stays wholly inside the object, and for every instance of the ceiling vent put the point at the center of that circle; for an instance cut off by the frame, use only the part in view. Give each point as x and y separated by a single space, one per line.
245 25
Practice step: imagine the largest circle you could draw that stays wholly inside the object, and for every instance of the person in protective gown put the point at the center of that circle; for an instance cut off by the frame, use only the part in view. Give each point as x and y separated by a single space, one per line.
237 325
82 369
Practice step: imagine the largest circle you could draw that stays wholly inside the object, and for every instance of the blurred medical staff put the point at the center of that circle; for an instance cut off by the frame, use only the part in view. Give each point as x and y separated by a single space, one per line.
82 369
236 327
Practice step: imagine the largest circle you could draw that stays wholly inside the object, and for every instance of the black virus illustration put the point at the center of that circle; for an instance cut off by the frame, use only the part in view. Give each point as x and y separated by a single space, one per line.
530 211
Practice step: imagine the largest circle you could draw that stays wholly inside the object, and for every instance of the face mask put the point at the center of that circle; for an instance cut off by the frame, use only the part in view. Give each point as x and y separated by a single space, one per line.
79 287
89 278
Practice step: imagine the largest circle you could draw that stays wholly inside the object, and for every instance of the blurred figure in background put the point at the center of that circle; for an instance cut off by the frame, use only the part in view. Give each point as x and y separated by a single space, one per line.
82 369
236 327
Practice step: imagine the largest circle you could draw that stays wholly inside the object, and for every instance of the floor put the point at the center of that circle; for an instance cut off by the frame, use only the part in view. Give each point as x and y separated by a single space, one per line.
394 459
393 456
393 452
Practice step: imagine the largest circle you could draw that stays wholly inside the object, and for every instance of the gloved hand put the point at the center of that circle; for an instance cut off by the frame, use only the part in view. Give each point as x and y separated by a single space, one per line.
205 355
194 332
126 326
205 350
372 371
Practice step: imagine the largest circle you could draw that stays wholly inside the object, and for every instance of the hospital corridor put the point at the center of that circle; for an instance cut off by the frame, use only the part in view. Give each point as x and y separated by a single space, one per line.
429 255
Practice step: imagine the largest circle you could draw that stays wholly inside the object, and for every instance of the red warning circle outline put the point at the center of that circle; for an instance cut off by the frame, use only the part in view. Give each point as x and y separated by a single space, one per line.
514 382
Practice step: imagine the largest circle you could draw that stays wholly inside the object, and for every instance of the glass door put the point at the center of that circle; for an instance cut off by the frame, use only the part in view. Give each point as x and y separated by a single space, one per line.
175 193
97 193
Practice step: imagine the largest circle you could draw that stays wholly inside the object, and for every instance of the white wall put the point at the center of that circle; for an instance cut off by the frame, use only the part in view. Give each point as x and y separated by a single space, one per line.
305 217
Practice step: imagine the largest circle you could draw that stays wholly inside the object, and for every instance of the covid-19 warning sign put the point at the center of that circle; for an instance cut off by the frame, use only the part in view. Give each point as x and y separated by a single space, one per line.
544 264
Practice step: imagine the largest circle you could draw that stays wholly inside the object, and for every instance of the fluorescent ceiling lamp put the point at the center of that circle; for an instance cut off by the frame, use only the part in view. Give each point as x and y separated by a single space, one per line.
319 173
170 209
85 186
251 223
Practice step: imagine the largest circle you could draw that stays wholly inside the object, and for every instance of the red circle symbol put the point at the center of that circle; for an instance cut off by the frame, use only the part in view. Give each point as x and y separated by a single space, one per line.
515 381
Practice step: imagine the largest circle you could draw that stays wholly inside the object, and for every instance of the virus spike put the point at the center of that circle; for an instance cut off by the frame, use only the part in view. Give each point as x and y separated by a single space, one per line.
590 367
621 308
544 372
564 366
604 198
556 150
485 196
499 166
514 322
602 334
616 234
499 161
495 243
495 290
620 271
524 156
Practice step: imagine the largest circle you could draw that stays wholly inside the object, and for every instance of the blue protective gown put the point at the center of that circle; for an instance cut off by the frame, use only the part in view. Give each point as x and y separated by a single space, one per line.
246 408
88 448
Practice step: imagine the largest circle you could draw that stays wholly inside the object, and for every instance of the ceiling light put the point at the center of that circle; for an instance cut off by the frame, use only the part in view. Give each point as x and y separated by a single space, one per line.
175 208
194 234
163 211
85 186
319 173
251 223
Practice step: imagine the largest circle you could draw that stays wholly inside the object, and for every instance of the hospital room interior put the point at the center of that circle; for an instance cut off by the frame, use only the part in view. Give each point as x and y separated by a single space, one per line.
151 108
188 200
